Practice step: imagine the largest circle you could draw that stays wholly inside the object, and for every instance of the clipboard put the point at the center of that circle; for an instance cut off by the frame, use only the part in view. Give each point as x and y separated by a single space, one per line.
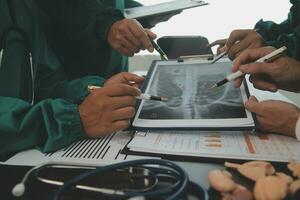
160 8
153 115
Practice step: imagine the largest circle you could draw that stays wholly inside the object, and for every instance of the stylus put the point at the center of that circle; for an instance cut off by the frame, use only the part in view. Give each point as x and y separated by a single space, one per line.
142 96
267 58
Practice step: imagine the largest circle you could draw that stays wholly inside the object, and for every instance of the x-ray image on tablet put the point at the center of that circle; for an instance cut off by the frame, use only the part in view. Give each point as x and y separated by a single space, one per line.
191 103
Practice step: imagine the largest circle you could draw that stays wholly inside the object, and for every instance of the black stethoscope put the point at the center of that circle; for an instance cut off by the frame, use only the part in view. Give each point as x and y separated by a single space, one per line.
14 28
148 173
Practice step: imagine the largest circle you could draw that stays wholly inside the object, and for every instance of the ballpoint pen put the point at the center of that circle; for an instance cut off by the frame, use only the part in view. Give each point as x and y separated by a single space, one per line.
267 58
154 44
221 55
158 49
141 96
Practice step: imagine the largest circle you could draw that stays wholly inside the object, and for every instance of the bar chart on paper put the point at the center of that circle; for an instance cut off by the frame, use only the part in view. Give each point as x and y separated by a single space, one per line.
230 145
102 151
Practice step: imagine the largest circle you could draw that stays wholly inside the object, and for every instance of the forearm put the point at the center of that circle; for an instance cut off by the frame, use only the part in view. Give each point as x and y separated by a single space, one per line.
49 125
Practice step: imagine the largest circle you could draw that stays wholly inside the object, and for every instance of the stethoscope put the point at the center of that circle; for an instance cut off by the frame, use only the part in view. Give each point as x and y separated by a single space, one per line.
14 28
147 172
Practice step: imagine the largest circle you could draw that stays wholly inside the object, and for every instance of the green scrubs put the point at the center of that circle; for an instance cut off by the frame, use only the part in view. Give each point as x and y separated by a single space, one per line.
53 121
77 32
286 33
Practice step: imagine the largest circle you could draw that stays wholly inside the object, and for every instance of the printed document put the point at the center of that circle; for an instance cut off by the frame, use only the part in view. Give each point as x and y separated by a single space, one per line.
225 145
94 152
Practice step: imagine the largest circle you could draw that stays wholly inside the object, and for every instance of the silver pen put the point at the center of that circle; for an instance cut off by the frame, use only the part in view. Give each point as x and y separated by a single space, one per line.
141 96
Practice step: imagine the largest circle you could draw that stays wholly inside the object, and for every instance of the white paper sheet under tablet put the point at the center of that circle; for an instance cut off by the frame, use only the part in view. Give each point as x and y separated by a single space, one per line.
191 103
94 152
143 11
230 145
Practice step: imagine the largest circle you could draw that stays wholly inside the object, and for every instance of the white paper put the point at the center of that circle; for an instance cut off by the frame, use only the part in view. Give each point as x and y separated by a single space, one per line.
190 101
106 150
143 11
230 145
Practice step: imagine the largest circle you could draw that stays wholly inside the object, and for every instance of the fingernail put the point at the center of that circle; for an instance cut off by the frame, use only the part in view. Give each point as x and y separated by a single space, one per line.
150 48
273 89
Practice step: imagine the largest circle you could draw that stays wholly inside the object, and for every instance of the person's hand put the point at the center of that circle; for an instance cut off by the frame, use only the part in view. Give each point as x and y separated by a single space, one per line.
129 37
283 73
125 78
221 45
275 116
240 40
108 109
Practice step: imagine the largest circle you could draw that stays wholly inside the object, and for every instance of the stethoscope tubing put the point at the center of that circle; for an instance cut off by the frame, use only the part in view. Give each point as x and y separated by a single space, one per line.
174 192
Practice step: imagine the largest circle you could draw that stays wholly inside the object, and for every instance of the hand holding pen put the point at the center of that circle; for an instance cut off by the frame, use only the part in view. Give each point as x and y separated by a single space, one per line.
142 96
153 43
265 55
126 37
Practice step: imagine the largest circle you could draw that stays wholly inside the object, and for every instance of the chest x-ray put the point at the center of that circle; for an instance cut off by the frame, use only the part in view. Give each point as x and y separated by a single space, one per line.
187 87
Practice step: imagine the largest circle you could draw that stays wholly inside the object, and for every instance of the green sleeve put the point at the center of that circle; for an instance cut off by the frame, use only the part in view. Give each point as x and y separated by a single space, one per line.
52 123
81 18
49 125
270 30
291 41
286 33
51 81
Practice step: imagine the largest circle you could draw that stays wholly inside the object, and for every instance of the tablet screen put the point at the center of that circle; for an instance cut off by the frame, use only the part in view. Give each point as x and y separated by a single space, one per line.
191 102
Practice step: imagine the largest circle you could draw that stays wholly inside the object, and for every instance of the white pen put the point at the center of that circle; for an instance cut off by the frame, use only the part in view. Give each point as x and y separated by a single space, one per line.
141 96
267 58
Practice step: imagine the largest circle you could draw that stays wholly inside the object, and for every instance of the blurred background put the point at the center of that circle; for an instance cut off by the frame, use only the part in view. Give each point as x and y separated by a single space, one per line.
220 17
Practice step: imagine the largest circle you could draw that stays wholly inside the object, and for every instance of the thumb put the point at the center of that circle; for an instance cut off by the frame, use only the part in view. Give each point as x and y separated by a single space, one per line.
151 34
253 105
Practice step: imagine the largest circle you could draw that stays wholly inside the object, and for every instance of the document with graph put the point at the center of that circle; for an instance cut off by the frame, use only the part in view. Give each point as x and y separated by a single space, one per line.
191 104
217 144
95 152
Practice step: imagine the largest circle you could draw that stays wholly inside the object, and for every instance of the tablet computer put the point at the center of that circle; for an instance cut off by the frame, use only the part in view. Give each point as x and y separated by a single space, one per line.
191 104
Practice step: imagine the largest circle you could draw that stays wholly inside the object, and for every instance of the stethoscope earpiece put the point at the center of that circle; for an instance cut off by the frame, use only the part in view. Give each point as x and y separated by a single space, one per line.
18 190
